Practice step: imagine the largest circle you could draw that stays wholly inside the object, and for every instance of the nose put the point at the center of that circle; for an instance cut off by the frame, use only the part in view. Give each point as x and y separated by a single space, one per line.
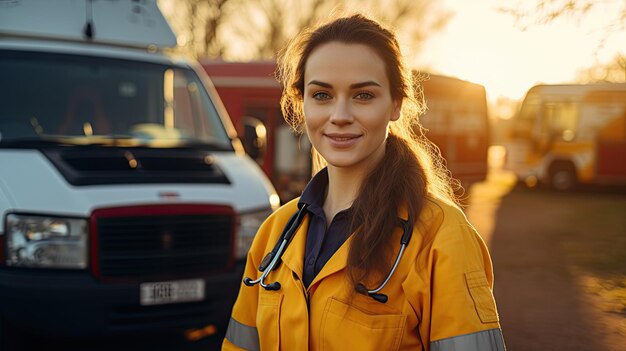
341 114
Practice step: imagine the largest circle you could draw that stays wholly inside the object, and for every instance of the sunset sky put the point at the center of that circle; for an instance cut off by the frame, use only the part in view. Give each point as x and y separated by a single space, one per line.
483 45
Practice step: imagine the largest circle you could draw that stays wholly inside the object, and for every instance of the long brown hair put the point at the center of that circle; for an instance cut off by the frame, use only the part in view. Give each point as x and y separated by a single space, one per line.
412 167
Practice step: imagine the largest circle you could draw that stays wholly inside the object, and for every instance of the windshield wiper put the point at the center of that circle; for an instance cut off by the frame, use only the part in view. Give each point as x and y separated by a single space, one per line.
31 143
123 141
204 145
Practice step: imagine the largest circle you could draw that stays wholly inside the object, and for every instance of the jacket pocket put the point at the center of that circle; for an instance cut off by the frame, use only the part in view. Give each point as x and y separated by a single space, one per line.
347 327
267 320
483 297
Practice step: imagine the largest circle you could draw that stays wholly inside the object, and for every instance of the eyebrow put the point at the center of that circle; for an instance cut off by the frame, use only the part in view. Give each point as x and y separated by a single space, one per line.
352 86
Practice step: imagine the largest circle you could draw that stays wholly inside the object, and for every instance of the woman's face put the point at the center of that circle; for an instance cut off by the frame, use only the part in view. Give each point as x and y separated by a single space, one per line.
348 104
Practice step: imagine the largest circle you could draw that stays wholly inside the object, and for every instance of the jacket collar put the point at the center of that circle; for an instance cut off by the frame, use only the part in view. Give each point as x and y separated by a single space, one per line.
337 262
294 255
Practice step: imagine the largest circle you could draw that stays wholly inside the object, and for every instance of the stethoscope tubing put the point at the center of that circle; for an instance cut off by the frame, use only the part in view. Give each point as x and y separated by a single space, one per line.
393 269
292 227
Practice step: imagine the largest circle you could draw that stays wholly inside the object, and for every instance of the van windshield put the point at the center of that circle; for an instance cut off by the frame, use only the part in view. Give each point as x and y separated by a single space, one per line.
85 100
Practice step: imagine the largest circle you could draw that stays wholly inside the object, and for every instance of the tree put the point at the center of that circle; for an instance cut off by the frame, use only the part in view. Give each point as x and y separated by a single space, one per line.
196 23
266 25
541 12
257 29
614 71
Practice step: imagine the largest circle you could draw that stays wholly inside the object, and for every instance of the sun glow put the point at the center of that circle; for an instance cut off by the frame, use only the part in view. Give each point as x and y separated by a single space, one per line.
485 46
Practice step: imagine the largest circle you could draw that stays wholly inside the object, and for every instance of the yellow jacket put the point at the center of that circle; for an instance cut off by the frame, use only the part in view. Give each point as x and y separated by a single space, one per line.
440 296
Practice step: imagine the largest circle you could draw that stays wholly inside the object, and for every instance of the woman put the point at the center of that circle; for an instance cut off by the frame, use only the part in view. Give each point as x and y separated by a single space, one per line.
346 281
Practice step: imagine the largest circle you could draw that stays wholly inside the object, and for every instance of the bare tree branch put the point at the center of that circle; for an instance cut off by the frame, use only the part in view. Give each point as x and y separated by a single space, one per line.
546 11
212 46
543 12
257 29
614 71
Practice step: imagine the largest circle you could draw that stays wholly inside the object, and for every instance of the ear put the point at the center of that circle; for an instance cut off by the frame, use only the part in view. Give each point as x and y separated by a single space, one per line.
395 113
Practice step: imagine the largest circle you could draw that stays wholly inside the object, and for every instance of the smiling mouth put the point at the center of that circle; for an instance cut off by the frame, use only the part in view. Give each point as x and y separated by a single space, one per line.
341 138
342 141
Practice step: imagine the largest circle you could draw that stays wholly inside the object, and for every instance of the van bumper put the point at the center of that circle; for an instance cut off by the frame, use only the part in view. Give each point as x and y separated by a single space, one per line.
75 304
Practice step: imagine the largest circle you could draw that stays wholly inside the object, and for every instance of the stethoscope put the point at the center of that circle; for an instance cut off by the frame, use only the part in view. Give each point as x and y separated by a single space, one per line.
270 261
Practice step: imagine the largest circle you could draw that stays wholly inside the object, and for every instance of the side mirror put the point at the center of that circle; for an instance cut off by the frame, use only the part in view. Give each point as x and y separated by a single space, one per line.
254 138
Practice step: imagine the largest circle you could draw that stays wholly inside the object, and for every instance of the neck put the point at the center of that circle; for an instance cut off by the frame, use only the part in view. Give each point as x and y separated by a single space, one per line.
343 189
344 184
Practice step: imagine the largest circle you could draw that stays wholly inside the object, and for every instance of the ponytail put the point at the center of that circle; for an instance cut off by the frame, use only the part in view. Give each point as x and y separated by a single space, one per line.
397 181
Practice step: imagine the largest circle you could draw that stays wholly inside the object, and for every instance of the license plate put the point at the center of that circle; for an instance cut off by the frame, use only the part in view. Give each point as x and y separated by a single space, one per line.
175 291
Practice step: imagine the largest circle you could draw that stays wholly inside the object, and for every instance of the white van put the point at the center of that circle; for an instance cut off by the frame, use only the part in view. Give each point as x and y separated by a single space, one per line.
127 203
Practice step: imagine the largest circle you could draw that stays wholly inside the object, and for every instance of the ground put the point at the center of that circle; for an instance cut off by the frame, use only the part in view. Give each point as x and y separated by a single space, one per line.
559 261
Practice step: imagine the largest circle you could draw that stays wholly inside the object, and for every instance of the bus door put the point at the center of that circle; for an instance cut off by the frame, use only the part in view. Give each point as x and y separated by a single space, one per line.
557 126
608 109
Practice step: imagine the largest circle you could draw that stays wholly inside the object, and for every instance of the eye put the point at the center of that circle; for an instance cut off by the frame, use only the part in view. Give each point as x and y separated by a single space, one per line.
321 96
364 95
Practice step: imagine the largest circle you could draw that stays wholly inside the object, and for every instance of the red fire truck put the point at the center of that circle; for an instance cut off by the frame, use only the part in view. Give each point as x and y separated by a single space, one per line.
456 121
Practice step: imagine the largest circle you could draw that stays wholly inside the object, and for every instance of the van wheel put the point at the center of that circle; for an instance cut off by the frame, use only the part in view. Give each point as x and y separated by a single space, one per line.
563 176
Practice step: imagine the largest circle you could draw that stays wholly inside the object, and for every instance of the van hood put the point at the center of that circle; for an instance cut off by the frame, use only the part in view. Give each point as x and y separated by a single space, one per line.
31 183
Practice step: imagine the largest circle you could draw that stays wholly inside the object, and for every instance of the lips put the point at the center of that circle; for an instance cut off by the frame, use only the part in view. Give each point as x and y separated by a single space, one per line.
342 140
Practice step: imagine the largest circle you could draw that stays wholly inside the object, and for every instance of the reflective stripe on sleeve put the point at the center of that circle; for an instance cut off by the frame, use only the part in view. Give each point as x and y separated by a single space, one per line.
487 340
243 336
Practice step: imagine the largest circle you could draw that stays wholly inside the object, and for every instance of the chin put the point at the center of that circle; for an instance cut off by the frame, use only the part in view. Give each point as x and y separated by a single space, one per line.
343 163
338 162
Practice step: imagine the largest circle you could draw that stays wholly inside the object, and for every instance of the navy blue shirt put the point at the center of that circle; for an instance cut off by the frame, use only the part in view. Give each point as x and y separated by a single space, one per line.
321 242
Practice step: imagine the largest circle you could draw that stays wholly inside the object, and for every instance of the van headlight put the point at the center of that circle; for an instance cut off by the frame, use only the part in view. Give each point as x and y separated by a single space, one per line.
46 242
249 224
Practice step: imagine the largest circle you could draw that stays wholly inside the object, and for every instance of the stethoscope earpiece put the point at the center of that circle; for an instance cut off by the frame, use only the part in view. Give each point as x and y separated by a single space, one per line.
361 289
382 298
273 286
270 260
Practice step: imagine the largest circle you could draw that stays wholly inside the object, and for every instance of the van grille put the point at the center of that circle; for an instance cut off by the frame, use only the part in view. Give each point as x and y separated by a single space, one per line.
161 241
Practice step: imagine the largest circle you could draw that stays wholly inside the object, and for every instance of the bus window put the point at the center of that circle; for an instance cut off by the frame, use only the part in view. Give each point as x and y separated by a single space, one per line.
560 118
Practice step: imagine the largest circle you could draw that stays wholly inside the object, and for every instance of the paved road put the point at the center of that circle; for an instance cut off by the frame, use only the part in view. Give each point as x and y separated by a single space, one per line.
540 299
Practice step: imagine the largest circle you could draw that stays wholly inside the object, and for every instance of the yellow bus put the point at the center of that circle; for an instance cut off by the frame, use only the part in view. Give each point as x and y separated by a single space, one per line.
565 135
